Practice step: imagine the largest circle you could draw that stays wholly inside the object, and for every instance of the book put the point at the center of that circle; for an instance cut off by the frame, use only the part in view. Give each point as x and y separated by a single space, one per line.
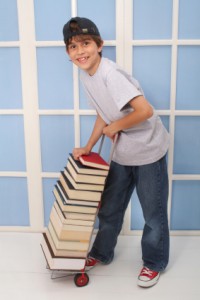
83 186
78 194
94 160
69 232
69 242
73 201
79 216
71 221
81 169
61 252
85 178
72 208
60 263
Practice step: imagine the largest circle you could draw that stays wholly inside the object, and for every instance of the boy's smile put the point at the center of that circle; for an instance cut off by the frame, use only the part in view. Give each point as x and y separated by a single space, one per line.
84 53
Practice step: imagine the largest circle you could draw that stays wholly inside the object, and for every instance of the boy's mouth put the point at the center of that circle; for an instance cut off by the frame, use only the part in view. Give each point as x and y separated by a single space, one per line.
82 59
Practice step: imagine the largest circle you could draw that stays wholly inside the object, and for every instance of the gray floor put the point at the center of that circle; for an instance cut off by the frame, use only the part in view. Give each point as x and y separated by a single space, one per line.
23 273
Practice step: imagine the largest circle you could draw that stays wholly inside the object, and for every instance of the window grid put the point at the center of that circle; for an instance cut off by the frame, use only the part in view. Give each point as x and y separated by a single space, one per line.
31 112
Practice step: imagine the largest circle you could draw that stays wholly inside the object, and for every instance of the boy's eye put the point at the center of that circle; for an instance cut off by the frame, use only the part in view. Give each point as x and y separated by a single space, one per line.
72 46
86 43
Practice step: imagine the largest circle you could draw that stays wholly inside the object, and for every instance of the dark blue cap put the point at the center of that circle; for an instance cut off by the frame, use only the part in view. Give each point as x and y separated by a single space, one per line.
85 26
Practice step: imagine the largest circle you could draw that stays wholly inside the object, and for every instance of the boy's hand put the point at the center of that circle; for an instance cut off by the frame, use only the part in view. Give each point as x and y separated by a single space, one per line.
77 152
109 131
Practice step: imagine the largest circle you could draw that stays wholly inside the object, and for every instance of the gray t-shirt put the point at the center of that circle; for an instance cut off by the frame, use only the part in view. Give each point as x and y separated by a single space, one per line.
109 91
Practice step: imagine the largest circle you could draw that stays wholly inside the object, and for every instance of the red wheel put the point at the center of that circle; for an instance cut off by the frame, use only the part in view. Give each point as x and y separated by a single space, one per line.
81 279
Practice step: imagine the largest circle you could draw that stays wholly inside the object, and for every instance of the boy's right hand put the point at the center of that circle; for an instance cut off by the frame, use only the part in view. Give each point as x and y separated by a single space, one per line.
77 152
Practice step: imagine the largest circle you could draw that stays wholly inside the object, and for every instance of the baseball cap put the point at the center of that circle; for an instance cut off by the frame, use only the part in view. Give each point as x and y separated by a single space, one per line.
85 26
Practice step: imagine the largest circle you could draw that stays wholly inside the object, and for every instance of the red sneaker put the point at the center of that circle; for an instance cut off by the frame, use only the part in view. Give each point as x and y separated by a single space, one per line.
91 262
148 277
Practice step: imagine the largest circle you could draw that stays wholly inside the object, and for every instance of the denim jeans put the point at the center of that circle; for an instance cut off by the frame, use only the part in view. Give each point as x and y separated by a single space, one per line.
151 183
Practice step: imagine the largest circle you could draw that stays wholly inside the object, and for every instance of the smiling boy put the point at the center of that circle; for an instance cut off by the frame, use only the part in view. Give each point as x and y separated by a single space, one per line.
139 159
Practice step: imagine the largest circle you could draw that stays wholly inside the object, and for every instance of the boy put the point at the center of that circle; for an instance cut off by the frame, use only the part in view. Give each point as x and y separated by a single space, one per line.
139 159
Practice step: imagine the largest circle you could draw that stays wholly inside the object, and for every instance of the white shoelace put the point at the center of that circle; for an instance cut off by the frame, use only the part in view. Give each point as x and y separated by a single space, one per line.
146 271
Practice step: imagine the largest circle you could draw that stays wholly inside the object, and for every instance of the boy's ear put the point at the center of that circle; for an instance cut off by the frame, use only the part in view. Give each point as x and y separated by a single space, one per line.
100 48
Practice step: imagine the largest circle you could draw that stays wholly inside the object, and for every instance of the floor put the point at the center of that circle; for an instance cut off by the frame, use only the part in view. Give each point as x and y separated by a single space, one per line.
23 273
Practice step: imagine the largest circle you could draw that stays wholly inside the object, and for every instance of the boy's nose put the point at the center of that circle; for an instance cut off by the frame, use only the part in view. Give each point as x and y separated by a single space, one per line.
80 50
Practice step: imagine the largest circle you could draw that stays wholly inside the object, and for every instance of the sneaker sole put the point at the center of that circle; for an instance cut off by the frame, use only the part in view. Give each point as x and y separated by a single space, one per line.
148 283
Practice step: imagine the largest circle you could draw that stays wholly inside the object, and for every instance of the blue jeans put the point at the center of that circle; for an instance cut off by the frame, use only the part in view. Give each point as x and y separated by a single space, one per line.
151 183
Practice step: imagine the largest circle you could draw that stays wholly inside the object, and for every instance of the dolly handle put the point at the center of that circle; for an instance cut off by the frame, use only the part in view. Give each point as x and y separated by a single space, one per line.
112 147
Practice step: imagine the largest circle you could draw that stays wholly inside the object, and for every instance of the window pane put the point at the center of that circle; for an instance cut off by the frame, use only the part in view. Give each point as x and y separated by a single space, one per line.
8 20
152 19
152 67
185 205
188 74
55 78
10 79
57 141
12 150
50 17
14 202
102 13
189 21
187 145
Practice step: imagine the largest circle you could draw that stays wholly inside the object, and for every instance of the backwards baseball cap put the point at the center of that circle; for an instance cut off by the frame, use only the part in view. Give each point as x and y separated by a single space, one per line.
85 26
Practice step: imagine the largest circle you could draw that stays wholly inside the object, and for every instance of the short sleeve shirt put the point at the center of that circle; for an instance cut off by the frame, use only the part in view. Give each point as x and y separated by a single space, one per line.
109 91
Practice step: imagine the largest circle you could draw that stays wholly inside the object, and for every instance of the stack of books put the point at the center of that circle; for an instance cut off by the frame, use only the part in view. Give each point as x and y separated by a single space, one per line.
77 198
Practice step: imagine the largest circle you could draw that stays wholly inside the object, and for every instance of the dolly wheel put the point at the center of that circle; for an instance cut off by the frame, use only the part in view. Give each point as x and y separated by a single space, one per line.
81 279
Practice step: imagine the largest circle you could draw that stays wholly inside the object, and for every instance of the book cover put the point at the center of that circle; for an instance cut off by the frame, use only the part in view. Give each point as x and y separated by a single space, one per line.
68 243
81 169
83 186
65 253
73 201
71 221
60 263
78 194
63 232
85 178
79 216
94 160
72 208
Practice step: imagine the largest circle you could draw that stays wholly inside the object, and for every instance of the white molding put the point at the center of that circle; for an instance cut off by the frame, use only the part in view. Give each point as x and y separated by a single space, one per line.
172 232
128 63
128 35
11 111
172 101
12 174
50 174
93 112
62 44
30 105
119 32
165 42
9 44
185 177
74 8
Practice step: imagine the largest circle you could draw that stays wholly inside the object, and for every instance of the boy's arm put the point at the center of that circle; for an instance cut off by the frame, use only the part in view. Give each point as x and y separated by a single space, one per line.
96 134
142 111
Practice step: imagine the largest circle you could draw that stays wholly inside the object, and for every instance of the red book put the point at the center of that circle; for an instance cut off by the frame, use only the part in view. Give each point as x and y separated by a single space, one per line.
94 160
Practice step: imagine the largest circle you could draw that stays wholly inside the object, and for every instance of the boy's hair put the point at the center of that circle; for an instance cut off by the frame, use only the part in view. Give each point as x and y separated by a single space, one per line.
83 29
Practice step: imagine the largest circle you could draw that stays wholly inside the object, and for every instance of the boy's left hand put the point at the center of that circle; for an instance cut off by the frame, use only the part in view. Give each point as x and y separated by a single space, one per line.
109 131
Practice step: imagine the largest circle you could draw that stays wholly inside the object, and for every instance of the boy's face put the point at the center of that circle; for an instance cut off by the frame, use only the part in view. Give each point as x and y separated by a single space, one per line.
84 53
